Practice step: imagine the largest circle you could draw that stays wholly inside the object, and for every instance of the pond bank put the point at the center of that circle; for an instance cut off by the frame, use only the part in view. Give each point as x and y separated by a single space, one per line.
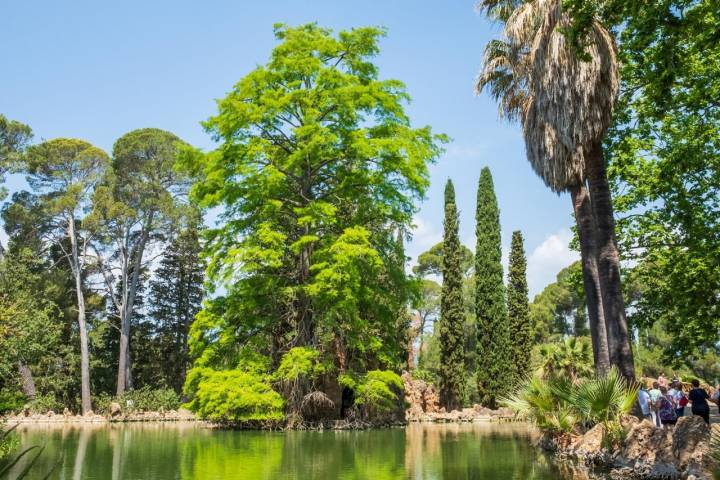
180 415
645 453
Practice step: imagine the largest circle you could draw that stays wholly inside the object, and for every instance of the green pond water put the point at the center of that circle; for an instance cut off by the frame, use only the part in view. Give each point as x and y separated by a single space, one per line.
189 451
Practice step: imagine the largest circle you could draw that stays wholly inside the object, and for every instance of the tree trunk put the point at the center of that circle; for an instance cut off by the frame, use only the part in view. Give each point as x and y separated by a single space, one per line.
28 383
130 284
591 281
123 353
305 321
609 265
85 402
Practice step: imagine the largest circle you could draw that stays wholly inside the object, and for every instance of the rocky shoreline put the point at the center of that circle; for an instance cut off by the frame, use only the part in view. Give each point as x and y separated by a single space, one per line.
645 453
180 415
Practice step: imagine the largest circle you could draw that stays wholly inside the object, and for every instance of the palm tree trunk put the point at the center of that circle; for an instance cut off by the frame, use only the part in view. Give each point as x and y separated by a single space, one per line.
609 265
591 281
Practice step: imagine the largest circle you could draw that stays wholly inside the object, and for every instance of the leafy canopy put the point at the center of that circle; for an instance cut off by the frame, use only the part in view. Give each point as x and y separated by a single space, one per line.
316 176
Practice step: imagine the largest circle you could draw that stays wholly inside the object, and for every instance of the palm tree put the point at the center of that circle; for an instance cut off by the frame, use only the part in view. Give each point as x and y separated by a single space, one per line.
564 102
570 359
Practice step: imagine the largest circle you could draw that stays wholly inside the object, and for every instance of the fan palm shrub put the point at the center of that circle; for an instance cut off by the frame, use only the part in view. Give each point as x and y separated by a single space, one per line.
558 405
572 358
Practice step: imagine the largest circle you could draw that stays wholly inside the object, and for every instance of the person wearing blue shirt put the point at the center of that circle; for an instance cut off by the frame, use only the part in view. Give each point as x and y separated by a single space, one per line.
644 400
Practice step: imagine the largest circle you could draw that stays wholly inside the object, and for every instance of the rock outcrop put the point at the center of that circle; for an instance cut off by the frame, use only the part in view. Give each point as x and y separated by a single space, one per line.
423 405
647 452
421 397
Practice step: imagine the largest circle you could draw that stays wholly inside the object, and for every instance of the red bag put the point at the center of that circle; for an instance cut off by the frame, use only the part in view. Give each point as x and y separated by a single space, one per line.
683 401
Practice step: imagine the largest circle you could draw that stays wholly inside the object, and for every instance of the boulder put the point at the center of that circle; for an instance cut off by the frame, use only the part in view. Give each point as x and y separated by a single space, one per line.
648 444
115 410
691 444
591 443
67 413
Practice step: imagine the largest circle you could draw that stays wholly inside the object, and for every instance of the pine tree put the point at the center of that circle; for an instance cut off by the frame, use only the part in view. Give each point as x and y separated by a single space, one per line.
175 296
490 312
518 310
452 313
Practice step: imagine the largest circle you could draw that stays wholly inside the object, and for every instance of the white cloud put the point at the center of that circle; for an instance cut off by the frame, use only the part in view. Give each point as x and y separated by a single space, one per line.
548 258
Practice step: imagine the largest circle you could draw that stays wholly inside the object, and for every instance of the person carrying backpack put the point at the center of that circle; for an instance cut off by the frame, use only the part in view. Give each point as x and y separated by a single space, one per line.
665 406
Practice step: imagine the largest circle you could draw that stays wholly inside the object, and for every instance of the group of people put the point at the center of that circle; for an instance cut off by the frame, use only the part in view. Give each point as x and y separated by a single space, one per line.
664 404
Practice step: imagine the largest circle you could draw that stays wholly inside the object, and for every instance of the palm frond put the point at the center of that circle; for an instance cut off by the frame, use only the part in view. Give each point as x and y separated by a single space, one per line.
563 100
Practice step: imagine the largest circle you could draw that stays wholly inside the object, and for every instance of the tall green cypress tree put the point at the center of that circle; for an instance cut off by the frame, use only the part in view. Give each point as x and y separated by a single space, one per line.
493 372
452 313
518 310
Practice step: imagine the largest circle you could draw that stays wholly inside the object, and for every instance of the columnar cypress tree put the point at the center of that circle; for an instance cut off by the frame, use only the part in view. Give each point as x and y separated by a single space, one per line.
452 314
490 313
518 310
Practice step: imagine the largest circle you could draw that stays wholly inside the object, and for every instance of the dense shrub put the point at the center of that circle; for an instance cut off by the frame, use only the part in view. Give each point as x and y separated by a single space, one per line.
44 403
300 362
11 401
145 399
376 392
149 399
233 395
558 405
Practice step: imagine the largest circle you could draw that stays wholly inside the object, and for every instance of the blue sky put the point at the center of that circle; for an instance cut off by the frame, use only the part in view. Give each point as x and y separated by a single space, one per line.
96 70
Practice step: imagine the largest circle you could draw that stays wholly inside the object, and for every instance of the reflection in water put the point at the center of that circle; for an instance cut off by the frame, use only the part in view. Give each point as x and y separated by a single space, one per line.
186 451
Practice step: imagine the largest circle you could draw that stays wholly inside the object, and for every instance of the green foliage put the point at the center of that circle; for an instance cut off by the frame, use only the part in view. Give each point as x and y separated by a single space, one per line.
664 153
493 356
558 405
431 261
233 395
376 392
143 399
300 362
651 359
517 308
175 297
30 330
14 137
148 399
545 403
450 331
11 401
604 399
571 358
142 197
429 366
560 308
316 174
42 404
